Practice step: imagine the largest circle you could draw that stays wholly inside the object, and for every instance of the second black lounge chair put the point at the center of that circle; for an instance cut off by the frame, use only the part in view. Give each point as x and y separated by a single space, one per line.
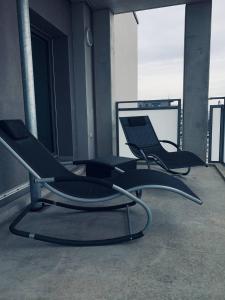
81 190
145 145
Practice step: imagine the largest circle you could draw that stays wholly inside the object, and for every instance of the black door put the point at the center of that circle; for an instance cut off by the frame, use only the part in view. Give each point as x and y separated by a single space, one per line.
43 75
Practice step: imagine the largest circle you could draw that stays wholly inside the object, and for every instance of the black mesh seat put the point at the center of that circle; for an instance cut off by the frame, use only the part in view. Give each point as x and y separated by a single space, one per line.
144 144
142 178
52 175
132 180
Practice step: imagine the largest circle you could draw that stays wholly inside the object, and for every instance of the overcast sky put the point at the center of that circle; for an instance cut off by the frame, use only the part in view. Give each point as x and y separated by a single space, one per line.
161 46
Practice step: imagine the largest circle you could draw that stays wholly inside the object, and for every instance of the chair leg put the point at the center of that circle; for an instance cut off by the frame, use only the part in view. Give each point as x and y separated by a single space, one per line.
37 208
139 193
69 242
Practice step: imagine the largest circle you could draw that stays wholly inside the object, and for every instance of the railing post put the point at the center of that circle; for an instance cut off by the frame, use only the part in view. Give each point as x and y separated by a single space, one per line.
28 80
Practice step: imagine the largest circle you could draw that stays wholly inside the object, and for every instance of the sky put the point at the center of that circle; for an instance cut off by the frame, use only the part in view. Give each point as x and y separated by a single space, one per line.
161 47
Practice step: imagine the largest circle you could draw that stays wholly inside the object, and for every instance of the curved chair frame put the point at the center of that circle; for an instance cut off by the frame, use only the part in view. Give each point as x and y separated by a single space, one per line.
156 159
68 242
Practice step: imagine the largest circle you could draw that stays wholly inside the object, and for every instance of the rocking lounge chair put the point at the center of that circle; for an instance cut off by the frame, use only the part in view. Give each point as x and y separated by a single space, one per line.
144 144
52 175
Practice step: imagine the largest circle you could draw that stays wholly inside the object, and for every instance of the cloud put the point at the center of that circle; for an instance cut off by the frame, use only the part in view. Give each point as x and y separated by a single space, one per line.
217 65
160 34
161 47
161 79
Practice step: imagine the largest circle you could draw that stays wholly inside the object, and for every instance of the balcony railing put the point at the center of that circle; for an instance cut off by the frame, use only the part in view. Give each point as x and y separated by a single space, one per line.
216 145
171 111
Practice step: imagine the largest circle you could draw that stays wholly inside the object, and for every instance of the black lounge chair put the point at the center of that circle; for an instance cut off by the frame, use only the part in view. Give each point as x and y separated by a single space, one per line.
49 173
145 145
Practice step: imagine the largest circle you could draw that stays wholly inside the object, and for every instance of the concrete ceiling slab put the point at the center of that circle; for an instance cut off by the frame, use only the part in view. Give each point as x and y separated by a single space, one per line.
123 6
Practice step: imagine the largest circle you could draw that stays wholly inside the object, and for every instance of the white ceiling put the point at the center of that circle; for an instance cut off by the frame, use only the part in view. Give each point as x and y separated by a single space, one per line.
122 6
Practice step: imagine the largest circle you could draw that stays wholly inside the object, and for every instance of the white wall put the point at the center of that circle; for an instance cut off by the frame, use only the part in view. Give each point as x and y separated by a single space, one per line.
125 57
125 63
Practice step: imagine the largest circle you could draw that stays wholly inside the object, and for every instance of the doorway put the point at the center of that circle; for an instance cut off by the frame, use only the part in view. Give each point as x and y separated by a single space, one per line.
52 80
44 91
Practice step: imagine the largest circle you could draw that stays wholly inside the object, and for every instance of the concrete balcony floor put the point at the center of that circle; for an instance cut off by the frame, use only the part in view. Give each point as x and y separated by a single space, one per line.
182 256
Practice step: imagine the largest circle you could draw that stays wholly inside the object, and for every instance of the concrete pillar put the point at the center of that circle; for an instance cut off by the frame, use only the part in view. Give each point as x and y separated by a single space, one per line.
196 76
223 142
83 74
103 49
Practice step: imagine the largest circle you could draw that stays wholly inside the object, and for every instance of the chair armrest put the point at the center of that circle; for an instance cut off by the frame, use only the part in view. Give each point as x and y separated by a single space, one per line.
171 143
76 178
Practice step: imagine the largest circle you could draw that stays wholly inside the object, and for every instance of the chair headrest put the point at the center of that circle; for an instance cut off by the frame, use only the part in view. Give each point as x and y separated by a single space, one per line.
136 121
15 129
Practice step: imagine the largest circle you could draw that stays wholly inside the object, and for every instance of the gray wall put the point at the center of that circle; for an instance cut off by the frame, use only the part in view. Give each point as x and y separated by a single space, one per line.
11 95
103 80
83 71
57 12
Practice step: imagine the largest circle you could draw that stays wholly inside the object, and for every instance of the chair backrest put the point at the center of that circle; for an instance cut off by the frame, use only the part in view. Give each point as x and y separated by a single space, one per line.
139 131
28 150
